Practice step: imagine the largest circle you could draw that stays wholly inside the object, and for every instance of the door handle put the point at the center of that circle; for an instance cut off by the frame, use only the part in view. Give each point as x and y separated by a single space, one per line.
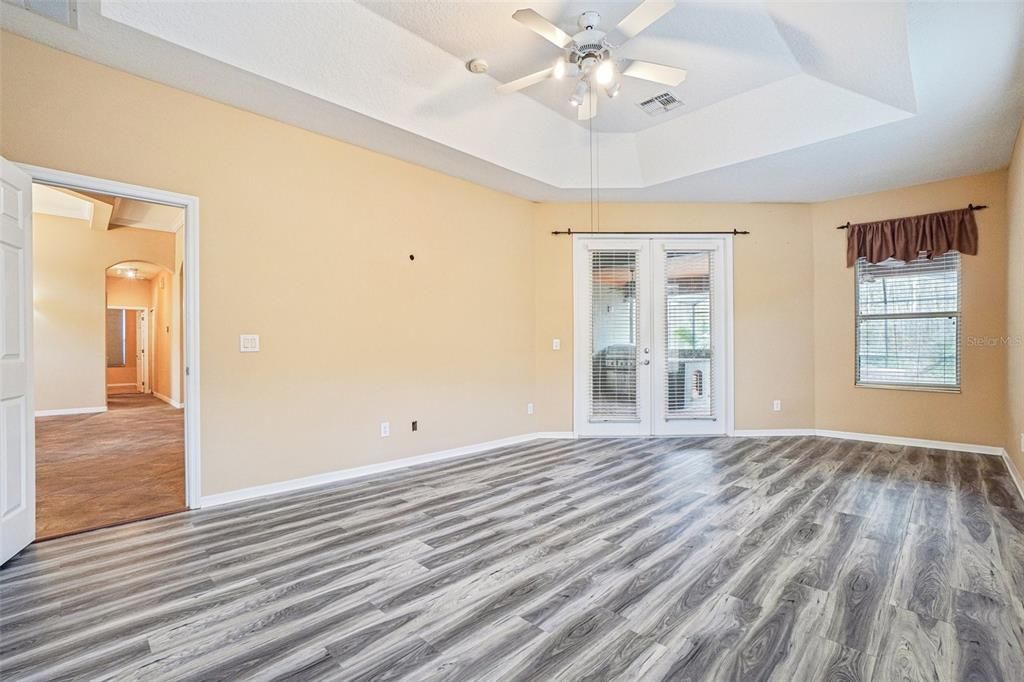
645 362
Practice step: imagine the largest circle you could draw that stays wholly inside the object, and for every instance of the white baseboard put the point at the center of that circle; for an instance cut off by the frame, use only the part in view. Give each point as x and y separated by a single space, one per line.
875 438
914 442
70 410
121 385
172 403
1014 473
371 469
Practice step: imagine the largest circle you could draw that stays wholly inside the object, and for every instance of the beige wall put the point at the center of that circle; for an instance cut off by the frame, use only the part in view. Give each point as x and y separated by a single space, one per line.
975 415
772 302
126 292
306 241
162 337
70 260
1015 304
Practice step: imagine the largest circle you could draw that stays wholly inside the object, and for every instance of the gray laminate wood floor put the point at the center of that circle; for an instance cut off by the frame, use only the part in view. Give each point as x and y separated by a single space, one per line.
737 559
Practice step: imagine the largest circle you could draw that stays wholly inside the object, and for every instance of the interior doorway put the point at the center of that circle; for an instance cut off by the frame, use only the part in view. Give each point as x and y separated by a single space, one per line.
653 335
112 353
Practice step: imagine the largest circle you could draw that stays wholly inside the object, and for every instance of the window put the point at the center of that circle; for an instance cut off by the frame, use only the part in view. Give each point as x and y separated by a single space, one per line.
116 335
908 323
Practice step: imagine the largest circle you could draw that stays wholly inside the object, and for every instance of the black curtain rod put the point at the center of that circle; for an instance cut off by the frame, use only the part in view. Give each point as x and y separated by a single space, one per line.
571 231
970 206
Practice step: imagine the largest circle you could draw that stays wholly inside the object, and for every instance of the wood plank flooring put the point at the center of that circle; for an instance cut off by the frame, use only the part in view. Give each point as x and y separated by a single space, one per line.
798 558
97 470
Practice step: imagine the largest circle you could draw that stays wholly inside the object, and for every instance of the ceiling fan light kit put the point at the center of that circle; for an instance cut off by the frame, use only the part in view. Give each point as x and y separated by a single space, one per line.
589 54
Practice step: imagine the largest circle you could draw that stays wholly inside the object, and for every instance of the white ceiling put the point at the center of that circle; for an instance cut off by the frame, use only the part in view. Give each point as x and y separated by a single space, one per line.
58 202
727 49
784 101
147 216
120 212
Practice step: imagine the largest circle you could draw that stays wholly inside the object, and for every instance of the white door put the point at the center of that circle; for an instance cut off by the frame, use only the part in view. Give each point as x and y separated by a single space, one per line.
141 366
613 344
651 323
17 425
689 317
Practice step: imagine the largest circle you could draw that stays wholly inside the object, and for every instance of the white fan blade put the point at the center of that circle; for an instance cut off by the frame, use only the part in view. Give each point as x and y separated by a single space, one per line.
588 109
657 73
524 82
648 12
542 27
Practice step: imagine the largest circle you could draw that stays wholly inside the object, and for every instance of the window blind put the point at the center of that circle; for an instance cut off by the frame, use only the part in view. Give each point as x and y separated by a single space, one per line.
908 322
613 342
688 381
115 338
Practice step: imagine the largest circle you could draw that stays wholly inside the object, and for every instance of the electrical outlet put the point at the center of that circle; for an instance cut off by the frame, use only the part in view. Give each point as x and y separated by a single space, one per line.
529 408
556 344
777 405
385 429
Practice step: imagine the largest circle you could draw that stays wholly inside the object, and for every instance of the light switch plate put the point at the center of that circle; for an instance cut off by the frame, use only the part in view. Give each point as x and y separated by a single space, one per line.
249 343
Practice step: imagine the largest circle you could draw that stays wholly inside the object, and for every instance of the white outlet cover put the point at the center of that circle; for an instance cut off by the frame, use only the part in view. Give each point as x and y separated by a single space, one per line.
777 405
249 343
529 408
556 344
385 429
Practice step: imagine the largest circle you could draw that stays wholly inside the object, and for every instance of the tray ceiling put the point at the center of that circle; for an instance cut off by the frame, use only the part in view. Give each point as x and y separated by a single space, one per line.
777 93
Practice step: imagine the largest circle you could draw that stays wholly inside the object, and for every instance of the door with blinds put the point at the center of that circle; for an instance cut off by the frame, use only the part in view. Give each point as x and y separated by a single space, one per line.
650 318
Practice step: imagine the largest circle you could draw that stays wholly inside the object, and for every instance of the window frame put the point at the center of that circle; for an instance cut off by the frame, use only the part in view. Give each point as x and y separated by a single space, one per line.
897 386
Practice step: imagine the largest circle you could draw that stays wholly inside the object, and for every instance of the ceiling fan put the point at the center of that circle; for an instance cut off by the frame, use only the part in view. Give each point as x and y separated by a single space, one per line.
588 55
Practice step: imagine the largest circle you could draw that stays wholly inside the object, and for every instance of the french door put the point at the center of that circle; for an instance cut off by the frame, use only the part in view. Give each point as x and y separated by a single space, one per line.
651 353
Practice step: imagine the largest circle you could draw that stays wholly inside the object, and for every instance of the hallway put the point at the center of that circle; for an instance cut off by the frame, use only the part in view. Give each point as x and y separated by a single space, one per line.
97 470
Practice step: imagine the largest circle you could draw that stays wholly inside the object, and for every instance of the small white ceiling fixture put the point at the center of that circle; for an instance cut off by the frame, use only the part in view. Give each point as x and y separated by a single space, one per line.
135 269
588 55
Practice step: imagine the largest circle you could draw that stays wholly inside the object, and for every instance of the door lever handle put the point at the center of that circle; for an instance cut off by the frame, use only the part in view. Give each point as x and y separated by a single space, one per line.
645 362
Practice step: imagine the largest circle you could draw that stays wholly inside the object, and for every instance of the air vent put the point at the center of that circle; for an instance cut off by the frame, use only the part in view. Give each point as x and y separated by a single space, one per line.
62 11
659 104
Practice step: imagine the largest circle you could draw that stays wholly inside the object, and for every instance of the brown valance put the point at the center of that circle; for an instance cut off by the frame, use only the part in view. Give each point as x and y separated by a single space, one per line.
905 239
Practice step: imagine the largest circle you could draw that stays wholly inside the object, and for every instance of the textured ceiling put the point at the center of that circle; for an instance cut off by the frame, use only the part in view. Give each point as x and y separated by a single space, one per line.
784 102
727 49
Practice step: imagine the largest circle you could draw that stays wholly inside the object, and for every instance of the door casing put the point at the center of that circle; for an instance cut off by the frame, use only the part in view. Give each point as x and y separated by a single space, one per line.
581 357
190 204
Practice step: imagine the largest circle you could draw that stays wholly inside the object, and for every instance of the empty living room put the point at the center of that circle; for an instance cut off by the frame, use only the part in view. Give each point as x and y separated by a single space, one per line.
440 340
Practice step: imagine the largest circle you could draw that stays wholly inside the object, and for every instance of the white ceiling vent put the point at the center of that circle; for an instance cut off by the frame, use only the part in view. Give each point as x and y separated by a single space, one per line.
660 103
62 11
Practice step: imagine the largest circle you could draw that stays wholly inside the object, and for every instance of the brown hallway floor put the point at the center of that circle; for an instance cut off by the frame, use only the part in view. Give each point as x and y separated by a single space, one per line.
96 470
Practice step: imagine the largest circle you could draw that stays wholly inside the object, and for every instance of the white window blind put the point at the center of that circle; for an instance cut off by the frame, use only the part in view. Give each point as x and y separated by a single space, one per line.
613 329
688 364
908 323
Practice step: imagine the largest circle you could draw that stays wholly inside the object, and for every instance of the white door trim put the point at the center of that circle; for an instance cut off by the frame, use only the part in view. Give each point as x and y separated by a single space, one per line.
49 176
580 321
